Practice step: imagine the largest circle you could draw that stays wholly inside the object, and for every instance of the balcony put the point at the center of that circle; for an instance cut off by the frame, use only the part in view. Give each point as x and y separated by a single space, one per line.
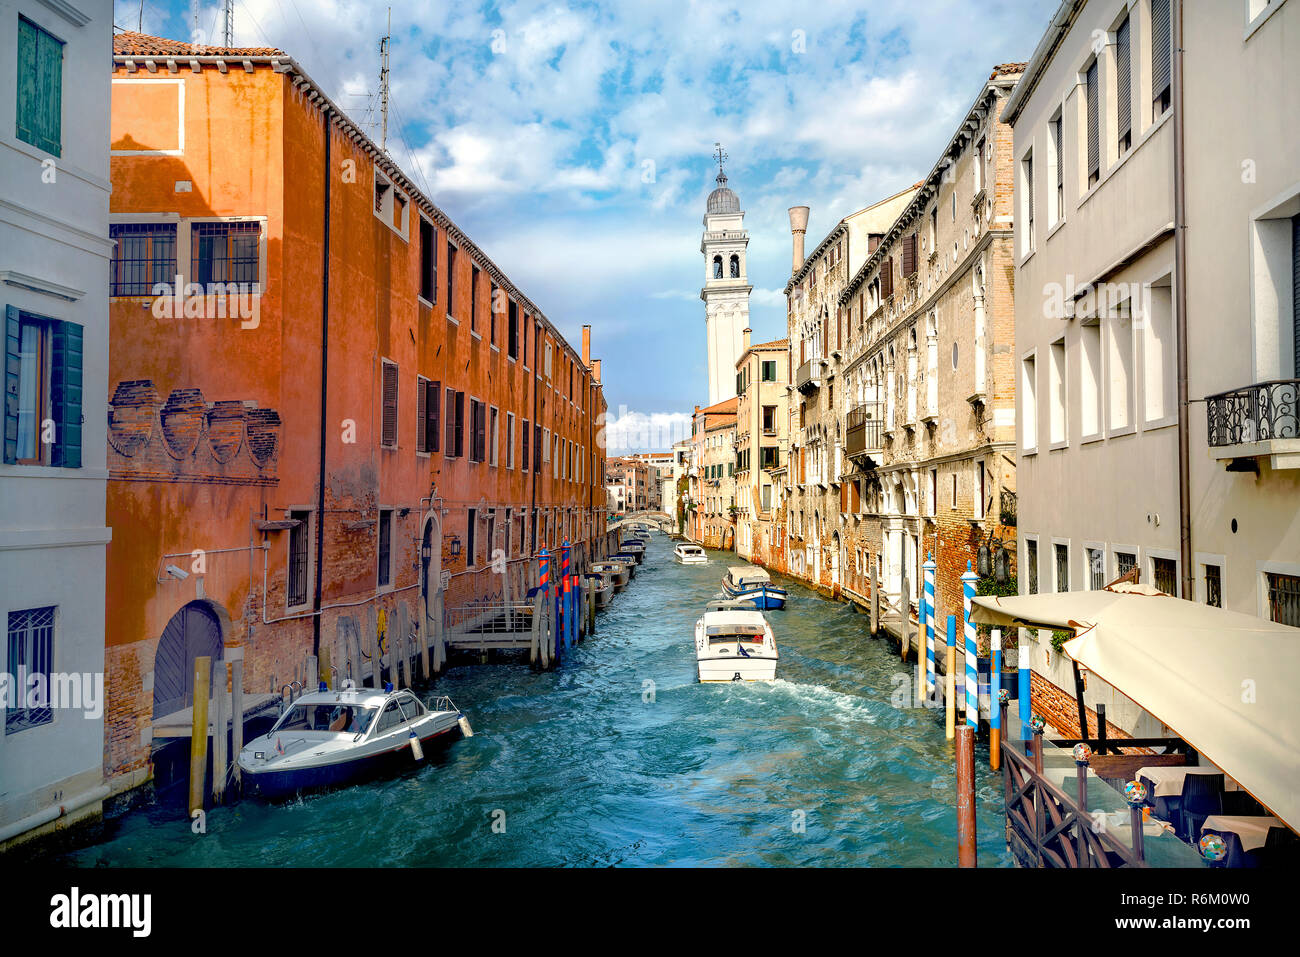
863 430
1257 421
808 379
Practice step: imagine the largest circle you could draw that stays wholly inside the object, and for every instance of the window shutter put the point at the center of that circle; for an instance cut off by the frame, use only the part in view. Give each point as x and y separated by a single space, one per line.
1295 292
1160 51
1124 79
389 430
12 364
537 448
65 393
909 255
1060 157
460 423
1094 145
421 415
887 278
525 434
451 422
40 87
433 420
480 432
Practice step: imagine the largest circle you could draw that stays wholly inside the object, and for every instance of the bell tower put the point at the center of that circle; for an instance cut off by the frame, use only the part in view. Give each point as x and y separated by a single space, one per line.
726 284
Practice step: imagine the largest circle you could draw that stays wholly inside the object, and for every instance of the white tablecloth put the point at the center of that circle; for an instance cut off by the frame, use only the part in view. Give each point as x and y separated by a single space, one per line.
1252 829
1168 781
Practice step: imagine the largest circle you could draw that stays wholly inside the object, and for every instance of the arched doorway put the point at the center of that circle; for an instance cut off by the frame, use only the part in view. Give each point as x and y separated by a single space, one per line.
193 632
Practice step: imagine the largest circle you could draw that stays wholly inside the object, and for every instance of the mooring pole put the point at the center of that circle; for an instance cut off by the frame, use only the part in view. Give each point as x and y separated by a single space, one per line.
966 796
237 706
1081 754
199 733
1023 688
968 580
995 709
219 764
950 681
875 604
929 625
904 611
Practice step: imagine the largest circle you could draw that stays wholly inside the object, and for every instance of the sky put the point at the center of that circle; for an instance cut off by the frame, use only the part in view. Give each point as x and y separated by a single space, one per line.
573 141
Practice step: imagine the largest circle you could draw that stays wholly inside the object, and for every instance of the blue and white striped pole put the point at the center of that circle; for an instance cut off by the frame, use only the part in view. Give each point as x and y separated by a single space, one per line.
927 607
995 680
950 682
1023 690
968 580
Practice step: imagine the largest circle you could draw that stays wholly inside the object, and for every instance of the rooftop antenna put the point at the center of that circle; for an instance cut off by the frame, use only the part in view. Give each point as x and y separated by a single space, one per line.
383 81
230 23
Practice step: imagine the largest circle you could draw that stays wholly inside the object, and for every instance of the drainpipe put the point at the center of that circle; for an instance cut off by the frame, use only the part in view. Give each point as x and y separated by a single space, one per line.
1180 307
324 379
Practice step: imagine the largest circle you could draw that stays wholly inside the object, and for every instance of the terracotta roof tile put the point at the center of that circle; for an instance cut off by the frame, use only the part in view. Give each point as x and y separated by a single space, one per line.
130 43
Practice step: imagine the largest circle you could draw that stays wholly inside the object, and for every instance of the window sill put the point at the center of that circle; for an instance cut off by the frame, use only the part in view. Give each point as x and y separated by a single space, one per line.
1024 260
1117 433
1090 439
1054 229
1161 423
1119 163
1032 450
1260 18
1058 446
454 321
474 335
494 347
424 302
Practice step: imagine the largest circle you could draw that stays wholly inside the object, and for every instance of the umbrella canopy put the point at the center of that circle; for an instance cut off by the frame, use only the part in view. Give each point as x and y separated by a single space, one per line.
1226 682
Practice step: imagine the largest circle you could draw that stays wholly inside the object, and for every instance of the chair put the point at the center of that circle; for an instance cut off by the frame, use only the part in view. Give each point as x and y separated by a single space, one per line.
1281 848
1202 796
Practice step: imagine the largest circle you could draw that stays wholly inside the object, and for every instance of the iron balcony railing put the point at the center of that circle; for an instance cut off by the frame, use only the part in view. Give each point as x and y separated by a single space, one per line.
1256 413
863 432
1008 511
808 378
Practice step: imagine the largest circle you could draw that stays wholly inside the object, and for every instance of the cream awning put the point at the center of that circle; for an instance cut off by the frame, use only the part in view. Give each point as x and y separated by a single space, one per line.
1227 683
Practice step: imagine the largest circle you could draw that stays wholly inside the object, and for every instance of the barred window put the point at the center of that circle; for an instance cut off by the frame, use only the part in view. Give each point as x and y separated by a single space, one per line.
1284 598
1125 562
144 254
1213 586
225 253
1164 575
31 652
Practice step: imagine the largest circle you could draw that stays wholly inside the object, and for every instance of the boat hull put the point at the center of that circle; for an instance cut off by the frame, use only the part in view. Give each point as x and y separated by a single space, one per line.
763 598
731 668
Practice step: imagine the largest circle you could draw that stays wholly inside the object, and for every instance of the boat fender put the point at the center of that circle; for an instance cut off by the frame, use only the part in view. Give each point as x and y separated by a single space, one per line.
416 750
465 729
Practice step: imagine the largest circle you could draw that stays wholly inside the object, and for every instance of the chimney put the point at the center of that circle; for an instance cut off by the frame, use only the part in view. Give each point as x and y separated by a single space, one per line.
595 371
798 226
586 346
747 332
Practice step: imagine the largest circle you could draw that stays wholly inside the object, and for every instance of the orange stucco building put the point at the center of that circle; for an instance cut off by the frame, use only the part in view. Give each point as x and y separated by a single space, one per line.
335 419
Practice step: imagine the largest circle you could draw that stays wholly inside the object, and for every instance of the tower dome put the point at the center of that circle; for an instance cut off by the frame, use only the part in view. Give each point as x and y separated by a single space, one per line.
722 199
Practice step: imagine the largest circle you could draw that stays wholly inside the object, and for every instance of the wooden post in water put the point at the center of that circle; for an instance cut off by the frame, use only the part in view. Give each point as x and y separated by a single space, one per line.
404 633
1081 772
422 636
219 762
325 675
950 681
199 733
995 709
309 683
1002 709
904 611
966 796
237 706
875 603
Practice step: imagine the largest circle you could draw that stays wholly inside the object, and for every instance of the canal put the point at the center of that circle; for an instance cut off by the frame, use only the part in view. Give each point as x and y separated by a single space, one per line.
620 757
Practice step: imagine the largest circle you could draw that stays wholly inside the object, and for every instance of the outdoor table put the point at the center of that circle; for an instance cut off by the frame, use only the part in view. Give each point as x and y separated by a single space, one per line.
1252 830
1167 781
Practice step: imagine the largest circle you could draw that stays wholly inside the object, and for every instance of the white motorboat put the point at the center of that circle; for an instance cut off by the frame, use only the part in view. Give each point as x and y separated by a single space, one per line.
754 583
690 555
723 603
619 572
631 548
735 646
331 738
602 587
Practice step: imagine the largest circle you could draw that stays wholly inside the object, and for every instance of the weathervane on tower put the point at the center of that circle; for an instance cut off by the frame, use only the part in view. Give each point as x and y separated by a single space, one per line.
720 154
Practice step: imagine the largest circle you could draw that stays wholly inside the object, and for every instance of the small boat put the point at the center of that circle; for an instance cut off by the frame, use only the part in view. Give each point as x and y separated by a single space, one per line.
631 546
329 738
723 603
735 645
690 555
749 581
602 587
618 572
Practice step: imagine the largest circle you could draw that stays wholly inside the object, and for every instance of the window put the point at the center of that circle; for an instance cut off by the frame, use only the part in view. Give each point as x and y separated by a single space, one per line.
1283 598
31 653
40 87
1158 379
1119 379
768 457
225 253
1214 585
1029 402
42 391
934 491
512 330
1057 212
428 399
978 509
1090 393
428 261
493 436
1161 58
539 448
1027 244
769 370
934 230
524 434
1096 558
1093 94
478 430
769 419
451 280
1164 575
1062 551
299 536
473 304
1057 396
1031 566
1125 562
977 168
471 536
735 267
144 255
1123 88
510 440
953 500
388 432
455 432
385 547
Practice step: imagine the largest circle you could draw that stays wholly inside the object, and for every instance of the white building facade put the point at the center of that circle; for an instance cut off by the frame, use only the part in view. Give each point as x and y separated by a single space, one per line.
54 259
726 287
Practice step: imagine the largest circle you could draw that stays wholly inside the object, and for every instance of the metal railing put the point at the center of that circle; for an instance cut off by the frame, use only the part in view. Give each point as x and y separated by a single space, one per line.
490 617
863 430
1007 513
1256 413
808 377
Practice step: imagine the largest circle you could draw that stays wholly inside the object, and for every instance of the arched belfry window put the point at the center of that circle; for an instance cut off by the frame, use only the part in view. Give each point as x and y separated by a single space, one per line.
717 267
735 266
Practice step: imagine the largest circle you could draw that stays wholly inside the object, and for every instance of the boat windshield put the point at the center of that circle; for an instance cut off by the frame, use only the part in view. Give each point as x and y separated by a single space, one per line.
338 717
729 633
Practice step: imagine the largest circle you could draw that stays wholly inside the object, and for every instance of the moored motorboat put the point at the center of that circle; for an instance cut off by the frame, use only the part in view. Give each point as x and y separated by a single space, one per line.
687 554
632 547
754 583
331 738
602 587
723 603
735 645
618 572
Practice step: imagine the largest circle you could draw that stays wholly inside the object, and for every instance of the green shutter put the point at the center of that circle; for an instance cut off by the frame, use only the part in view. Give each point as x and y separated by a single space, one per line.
65 394
11 385
40 87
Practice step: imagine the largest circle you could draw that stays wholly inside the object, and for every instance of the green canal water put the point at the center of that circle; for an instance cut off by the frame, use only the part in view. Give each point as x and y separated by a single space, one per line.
585 767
